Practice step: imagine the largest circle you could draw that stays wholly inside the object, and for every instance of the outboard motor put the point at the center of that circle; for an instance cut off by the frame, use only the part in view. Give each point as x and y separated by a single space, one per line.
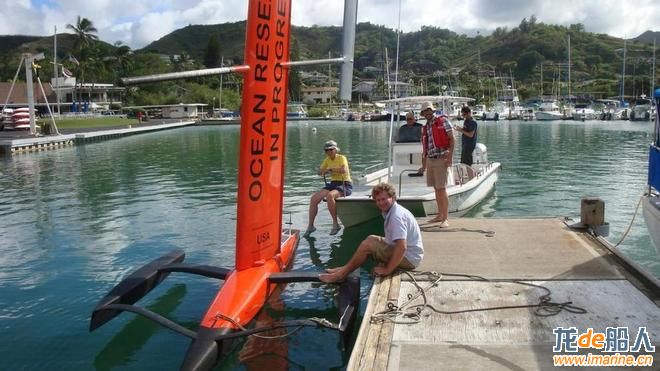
480 154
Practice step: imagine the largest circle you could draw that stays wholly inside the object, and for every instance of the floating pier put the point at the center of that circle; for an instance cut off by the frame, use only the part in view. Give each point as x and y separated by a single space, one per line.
486 306
39 143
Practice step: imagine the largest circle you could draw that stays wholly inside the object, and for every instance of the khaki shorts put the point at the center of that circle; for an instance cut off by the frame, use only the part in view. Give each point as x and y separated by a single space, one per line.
383 252
436 173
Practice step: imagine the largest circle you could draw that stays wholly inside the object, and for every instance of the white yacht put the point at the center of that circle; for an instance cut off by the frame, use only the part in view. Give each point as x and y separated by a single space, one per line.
548 110
506 107
642 110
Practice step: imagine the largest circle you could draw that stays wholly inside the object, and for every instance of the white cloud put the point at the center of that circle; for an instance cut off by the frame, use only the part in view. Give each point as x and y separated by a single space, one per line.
137 23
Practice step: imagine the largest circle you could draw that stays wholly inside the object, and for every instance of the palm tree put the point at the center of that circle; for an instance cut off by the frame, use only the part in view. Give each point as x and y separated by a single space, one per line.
84 30
122 58
85 37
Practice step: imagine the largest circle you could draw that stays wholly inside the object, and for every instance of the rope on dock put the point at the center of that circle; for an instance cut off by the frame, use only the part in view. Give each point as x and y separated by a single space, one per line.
409 313
437 228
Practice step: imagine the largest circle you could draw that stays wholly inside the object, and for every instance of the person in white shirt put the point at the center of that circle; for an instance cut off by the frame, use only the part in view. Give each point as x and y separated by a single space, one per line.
400 248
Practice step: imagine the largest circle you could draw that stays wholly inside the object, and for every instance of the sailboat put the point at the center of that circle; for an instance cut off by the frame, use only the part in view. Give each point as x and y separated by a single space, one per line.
651 200
264 250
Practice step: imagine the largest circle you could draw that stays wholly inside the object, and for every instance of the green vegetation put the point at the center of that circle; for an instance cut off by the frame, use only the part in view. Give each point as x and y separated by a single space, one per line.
534 54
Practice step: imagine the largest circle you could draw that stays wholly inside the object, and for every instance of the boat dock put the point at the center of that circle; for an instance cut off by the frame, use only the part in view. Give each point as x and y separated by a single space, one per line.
22 142
478 264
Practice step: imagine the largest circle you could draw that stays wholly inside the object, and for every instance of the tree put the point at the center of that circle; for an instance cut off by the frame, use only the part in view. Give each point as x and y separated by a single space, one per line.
84 31
527 62
295 82
122 58
212 56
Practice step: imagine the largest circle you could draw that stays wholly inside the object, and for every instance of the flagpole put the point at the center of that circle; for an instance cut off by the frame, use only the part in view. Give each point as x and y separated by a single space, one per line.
57 83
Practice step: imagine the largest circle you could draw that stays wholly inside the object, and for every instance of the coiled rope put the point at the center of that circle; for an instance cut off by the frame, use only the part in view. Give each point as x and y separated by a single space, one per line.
409 313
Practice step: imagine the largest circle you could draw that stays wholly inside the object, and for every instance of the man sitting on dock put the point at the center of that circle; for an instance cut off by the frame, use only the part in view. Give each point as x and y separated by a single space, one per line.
411 131
400 248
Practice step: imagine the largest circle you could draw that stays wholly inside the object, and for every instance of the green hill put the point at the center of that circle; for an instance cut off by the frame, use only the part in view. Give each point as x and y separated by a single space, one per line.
533 54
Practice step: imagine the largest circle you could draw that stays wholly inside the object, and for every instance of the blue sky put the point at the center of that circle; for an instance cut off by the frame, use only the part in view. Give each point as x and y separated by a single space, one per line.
137 23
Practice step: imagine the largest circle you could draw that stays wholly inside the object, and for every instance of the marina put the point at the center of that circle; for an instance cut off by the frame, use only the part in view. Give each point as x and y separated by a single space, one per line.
80 215
183 248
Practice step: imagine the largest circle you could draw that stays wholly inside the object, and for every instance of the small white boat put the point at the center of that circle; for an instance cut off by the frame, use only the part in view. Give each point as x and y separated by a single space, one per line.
642 110
651 200
466 185
296 111
548 111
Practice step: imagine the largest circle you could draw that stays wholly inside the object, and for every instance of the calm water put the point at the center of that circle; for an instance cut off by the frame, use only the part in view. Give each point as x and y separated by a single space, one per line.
77 220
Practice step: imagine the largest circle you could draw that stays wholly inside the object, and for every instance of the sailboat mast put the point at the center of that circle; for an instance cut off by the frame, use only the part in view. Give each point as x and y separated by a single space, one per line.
652 86
396 68
623 72
222 64
569 66
387 75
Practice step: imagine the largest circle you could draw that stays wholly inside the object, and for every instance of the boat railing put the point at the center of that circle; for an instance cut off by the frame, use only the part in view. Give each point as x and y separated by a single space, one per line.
411 173
370 169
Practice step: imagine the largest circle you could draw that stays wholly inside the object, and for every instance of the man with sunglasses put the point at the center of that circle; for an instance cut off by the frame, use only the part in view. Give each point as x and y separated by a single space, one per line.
411 131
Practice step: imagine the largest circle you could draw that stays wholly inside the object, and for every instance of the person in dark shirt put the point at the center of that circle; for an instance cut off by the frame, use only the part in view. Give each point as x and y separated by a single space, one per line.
411 131
469 137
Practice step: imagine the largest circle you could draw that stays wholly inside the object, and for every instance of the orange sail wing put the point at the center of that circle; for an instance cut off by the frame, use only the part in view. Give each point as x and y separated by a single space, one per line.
263 126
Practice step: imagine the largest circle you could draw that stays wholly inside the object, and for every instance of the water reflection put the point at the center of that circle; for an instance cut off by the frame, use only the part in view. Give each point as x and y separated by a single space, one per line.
121 349
77 220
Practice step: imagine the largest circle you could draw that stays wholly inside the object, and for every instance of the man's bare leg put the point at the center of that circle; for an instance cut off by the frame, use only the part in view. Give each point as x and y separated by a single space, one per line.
443 203
339 274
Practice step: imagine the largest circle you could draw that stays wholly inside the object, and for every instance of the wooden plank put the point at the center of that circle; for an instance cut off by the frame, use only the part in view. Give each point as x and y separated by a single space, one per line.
385 339
363 332
371 345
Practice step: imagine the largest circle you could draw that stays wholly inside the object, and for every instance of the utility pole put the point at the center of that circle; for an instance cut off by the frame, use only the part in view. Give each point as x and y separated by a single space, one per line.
29 61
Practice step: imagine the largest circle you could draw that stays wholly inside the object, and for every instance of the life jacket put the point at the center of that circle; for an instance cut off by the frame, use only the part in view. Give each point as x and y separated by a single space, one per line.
440 135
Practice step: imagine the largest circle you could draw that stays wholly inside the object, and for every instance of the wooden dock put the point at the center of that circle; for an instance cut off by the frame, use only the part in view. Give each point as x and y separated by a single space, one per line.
508 254
26 143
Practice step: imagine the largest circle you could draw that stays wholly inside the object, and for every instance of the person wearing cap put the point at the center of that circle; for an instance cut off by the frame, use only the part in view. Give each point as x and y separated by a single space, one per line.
411 131
469 137
339 186
400 248
437 151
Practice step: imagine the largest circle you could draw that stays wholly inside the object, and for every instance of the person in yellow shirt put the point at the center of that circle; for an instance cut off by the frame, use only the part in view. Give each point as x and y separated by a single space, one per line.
339 186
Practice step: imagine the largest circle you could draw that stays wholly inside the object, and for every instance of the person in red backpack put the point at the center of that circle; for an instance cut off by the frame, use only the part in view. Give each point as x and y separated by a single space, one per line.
438 148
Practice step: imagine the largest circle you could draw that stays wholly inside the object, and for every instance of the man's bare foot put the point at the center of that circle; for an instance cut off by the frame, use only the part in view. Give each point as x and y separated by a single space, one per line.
331 277
437 219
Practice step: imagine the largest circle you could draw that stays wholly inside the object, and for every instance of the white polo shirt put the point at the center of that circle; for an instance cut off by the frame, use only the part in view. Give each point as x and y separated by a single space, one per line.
400 224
